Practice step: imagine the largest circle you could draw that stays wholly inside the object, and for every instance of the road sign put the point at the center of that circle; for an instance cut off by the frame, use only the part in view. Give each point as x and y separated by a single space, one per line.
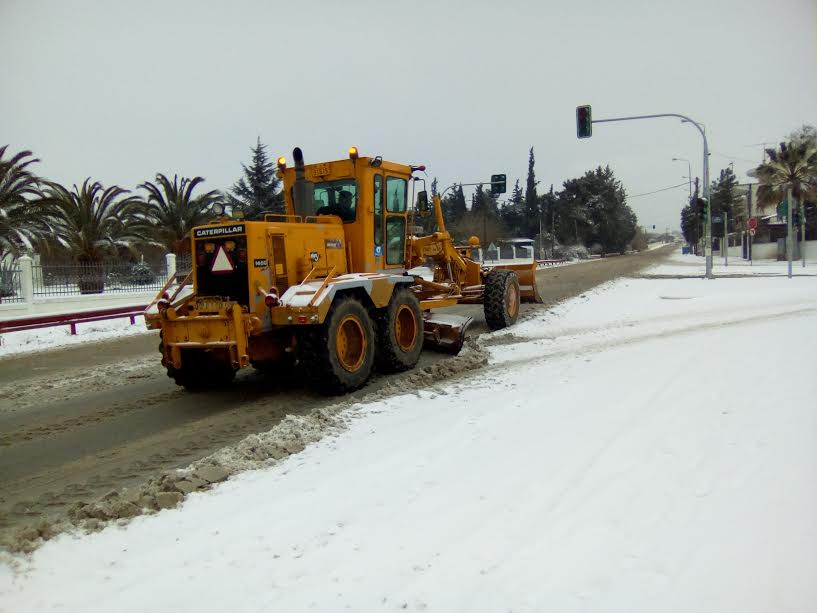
752 231
752 223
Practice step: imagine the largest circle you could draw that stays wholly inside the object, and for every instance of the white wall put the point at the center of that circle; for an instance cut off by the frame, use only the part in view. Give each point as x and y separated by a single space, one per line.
768 251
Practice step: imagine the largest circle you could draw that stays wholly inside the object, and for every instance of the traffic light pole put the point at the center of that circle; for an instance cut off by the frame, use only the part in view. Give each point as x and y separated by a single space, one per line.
708 226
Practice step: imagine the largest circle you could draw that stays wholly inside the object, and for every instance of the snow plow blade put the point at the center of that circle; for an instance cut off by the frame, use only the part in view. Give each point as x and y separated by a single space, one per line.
527 280
445 333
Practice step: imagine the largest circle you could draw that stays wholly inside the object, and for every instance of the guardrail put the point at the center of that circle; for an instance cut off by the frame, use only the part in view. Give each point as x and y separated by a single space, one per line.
70 319
550 262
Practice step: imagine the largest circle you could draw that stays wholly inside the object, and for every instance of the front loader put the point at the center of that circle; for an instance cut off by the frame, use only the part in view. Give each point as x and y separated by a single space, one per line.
328 287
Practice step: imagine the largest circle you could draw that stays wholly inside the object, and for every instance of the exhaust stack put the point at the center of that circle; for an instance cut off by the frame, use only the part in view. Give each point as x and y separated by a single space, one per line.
301 190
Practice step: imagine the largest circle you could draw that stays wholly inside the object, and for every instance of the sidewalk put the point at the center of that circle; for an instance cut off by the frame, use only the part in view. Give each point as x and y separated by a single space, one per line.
688 265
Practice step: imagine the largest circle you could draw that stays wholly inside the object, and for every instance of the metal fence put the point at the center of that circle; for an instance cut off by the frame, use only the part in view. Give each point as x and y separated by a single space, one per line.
184 264
97 278
10 289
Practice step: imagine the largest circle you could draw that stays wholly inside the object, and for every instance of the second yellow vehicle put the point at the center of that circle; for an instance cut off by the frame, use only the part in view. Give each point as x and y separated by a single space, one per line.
331 287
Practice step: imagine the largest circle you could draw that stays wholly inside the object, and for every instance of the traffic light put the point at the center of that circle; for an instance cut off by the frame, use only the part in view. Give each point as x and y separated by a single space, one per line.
700 204
499 184
584 122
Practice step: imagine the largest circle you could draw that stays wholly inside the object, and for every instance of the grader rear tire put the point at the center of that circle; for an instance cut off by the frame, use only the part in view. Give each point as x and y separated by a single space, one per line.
501 300
399 333
337 356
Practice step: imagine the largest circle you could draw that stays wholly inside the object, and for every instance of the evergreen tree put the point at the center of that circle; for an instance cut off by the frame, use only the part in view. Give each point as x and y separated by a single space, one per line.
725 198
454 206
690 224
531 211
593 209
547 205
257 192
479 200
516 198
512 214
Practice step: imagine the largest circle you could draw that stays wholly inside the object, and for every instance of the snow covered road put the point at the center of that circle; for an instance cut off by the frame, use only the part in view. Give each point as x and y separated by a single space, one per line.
649 446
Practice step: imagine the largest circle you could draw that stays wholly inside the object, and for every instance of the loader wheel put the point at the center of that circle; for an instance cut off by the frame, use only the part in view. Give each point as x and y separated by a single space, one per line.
337 356
399 332
501 301
201 371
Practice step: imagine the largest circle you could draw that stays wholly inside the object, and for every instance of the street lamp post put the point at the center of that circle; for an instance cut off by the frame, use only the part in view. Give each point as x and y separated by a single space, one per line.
702 131
689 173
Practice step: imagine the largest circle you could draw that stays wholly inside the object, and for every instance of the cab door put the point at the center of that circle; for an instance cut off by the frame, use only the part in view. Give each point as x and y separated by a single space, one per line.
395 220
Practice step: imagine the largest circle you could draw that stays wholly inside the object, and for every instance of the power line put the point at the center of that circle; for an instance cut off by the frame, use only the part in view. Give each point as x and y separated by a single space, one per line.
732 157
663 189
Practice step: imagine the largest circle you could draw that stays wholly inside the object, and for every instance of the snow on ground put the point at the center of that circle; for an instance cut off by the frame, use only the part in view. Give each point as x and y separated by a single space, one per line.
688 265
26 341
649 446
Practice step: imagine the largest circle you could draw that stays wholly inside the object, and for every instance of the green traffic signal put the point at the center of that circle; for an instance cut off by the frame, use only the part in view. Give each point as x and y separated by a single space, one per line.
584 122
498 184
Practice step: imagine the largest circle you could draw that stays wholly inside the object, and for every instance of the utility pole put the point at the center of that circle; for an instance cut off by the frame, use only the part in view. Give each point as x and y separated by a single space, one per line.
700 229
725 239
803 233
750 234
789 237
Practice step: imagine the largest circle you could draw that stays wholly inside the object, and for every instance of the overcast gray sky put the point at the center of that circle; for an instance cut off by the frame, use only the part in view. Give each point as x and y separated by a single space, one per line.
120 90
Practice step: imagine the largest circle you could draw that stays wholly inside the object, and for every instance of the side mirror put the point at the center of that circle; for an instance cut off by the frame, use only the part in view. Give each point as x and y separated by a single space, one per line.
422 201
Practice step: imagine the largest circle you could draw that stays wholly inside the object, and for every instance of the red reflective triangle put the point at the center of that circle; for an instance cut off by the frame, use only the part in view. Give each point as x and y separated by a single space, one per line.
221 262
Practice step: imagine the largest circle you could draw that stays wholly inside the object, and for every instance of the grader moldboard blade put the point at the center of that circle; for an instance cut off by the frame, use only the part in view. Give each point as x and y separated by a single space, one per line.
445 333
526 273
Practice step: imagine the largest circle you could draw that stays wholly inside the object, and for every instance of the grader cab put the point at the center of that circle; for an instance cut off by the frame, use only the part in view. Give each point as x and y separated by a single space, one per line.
329 287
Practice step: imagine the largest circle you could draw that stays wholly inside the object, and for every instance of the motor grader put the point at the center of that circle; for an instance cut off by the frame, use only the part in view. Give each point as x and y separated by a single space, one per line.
330 287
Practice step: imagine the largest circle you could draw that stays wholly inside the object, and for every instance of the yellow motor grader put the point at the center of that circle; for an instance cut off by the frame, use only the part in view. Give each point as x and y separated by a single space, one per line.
330 287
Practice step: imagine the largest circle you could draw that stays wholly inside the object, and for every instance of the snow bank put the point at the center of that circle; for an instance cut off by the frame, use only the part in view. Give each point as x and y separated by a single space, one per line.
26 341
648 447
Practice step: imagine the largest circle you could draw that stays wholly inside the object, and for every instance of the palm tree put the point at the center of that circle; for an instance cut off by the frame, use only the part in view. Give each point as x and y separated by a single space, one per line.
94 221
173 211
792 166
20 226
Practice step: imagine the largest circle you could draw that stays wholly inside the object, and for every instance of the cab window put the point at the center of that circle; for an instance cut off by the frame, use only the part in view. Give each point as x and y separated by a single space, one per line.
378 210
337 198
395 239
396 195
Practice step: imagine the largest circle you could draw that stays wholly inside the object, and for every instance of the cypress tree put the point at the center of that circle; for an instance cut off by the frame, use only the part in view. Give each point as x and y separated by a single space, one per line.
531 212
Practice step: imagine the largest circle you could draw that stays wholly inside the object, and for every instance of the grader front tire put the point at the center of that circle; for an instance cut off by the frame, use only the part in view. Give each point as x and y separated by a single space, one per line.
399 333
338 355
502 298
